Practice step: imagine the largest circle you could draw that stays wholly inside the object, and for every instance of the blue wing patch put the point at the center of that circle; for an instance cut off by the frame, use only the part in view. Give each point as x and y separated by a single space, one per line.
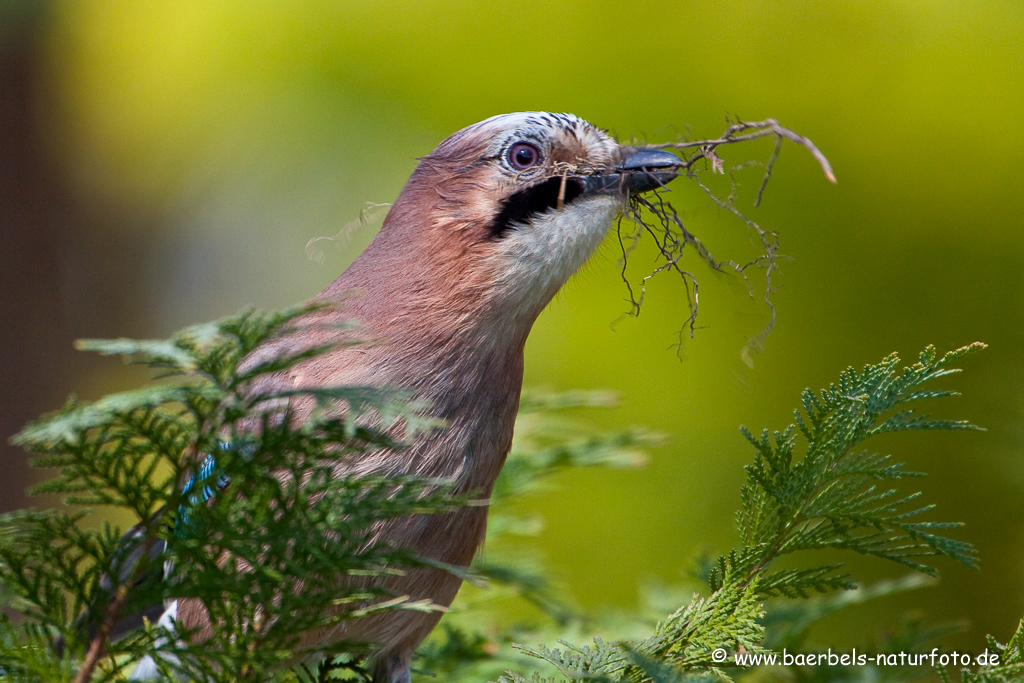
206 477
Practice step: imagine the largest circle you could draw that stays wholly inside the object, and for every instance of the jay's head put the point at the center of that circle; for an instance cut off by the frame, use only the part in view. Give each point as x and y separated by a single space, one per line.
503 212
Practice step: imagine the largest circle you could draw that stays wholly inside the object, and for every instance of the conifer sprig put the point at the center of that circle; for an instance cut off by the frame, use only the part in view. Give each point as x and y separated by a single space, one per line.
827 499
836 496
244 552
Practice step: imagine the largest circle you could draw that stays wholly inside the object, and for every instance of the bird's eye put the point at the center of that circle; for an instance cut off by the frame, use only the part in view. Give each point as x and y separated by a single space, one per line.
523 155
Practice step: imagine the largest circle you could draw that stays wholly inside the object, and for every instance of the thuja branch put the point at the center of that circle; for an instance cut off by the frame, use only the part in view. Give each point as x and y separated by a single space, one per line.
811 486
829 498
94 587
672 237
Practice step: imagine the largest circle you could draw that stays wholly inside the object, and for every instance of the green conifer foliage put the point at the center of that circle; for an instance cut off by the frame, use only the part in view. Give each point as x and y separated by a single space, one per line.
277 519
246 552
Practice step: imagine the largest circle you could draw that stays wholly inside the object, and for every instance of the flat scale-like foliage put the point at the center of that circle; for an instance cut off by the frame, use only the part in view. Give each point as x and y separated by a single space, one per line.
266 555
835 495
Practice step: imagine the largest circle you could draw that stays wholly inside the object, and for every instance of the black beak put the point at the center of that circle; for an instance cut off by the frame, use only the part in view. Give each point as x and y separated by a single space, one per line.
642 170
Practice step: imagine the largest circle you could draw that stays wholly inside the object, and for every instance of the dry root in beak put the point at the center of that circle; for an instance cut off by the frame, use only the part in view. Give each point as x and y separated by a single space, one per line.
656 217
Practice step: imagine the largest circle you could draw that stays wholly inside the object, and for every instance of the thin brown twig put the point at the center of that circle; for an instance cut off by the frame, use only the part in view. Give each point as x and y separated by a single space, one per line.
768 171
96 645
760 129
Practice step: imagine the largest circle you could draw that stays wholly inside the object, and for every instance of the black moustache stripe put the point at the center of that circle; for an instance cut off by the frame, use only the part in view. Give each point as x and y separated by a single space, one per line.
532 201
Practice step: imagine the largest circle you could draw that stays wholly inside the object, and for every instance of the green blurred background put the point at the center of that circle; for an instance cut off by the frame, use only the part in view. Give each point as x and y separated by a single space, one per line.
163 163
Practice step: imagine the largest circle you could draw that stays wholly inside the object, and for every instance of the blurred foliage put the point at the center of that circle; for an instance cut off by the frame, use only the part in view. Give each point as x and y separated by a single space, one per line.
290 525
237 132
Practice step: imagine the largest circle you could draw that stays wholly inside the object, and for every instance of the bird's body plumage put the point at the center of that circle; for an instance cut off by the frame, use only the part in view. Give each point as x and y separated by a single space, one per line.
473 249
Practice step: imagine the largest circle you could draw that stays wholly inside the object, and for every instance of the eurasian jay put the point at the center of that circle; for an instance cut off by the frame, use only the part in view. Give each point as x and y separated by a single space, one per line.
489 227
